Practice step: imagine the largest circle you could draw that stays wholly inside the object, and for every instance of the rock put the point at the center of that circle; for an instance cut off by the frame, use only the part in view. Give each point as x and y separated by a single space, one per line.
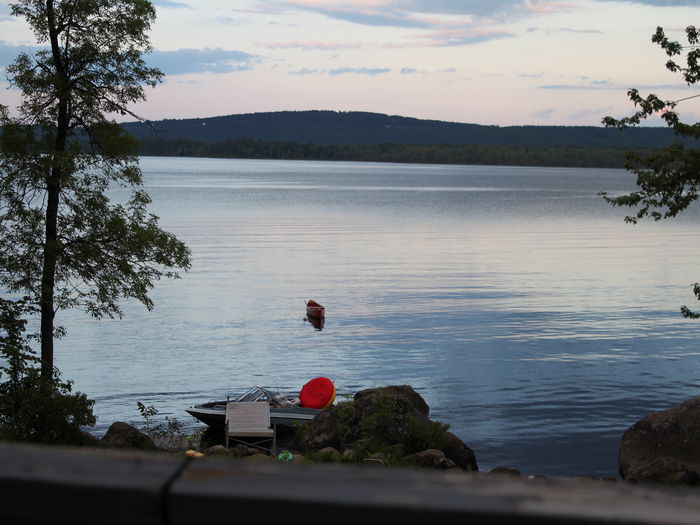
298 458
510 471
448 464
664 446
431 458
323 430
329 454
123 435
391 419
397 450
217 450
239 451
261 458
455 449
406 399
88 440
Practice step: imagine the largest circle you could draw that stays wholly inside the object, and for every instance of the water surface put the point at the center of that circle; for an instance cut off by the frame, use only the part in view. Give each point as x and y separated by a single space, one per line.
530 317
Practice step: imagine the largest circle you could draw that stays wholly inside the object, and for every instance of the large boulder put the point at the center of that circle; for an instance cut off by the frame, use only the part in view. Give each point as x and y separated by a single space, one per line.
123 435
455 449
384 419
664 446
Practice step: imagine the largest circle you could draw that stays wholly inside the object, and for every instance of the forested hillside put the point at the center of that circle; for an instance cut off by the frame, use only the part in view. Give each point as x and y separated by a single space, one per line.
359 128
571 156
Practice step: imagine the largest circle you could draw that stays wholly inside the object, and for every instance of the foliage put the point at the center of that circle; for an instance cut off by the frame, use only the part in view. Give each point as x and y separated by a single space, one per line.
32 409
500 155
171 426
388 424
63 242
356 128
169 434
376 431
668 179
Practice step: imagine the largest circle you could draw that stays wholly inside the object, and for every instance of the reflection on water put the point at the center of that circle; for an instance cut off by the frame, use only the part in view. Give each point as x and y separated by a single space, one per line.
529 316
316 322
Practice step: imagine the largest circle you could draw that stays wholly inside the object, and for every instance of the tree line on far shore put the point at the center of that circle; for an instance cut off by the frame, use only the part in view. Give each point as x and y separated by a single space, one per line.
510 155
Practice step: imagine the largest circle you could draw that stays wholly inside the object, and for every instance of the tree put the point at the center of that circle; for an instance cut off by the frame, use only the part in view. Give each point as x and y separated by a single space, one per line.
668 179
63 242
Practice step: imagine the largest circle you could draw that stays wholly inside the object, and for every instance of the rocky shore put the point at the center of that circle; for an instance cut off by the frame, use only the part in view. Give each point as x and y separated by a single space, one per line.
390 426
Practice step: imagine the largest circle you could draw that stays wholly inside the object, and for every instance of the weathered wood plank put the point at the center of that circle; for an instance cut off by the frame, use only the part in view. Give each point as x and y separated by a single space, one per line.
82 486
210 489
72 486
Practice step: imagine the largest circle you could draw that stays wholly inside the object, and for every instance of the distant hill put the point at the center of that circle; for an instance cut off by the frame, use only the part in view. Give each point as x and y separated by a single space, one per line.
361 128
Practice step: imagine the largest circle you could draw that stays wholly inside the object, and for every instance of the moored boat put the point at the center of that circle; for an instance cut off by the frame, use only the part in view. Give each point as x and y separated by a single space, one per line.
213 414
315 310
282 411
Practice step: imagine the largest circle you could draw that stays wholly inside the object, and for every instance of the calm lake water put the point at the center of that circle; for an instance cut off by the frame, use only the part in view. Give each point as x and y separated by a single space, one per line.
530 317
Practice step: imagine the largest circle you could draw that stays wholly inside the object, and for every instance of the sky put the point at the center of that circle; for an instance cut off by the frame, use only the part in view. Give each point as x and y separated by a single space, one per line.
494 62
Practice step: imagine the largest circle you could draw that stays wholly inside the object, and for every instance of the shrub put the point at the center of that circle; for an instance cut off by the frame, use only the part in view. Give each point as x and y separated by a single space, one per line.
32 409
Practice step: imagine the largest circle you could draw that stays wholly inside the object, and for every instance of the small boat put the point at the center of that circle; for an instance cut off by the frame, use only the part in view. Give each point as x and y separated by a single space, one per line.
282 411
315 310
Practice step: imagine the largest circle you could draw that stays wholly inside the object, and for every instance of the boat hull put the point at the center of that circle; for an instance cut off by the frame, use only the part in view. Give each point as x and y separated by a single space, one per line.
317 312
214 414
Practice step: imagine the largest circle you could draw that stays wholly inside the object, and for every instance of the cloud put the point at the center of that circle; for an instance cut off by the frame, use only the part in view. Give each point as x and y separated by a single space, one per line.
530 75
585 113
659 3
313 45
409 71
584 82
463 37
588 31
443 23
8 52
169 4
543 113
210 60
462 7
177 62
451 38
576 86
567 30
544 6
231 21
418 14
371 12
304 71
607 85
371 71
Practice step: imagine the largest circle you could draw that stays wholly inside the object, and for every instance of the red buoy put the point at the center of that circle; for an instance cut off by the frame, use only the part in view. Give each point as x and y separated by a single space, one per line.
317 393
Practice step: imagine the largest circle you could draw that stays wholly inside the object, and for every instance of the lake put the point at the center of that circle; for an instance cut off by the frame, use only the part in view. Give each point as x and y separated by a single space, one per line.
531 318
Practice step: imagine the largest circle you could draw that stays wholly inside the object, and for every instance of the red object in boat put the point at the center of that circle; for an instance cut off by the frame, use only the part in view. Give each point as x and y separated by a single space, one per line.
317 393
313 309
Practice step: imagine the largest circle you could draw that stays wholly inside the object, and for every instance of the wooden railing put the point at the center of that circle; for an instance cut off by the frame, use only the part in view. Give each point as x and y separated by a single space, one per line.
67 486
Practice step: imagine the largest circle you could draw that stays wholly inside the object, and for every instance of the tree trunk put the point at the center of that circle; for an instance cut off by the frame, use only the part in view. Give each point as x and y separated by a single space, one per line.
48 276
52 246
